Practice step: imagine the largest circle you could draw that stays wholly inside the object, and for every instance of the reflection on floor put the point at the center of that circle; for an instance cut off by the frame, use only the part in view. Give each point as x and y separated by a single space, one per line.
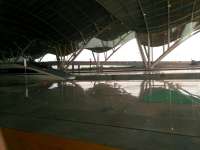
170 93
17 140
130 114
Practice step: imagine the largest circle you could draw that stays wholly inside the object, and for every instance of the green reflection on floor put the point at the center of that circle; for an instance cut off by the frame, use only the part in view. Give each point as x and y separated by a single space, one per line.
161 95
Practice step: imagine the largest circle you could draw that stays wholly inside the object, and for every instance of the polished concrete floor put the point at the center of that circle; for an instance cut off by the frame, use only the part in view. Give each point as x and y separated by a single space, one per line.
133 114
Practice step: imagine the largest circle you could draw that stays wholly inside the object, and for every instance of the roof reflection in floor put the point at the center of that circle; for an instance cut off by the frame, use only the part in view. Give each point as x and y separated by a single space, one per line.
107 112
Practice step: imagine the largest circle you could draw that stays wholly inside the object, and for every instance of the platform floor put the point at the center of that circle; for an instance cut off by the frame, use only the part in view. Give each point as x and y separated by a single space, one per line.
132 114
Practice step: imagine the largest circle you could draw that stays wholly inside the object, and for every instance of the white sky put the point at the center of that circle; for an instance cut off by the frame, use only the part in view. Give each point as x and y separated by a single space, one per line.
187 51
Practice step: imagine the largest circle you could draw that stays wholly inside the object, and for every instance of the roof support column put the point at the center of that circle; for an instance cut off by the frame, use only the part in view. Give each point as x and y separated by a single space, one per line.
152 54
145 50
94 57
168 24
149 52
97 61
148 35
142 53
105 55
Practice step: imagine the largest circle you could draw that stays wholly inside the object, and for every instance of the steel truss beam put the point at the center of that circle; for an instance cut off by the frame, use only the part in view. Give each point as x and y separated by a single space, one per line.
172 47
114 45
76 53
73 57
21 51
113 52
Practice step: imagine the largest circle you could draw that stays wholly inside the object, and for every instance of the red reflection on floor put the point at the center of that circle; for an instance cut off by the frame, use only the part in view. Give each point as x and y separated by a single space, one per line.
17 140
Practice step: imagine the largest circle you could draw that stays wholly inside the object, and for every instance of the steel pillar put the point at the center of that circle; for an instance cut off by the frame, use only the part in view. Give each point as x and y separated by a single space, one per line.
149 52
168 24
98 62
94 59
58 62
148 32
142 53
152 54
145 50
105 55
163 47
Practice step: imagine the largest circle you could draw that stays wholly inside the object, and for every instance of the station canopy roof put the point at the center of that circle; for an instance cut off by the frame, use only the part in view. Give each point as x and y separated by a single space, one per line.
35 27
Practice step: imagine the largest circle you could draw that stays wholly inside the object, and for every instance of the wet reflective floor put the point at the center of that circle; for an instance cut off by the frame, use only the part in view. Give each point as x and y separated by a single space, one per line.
132 114
19 140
